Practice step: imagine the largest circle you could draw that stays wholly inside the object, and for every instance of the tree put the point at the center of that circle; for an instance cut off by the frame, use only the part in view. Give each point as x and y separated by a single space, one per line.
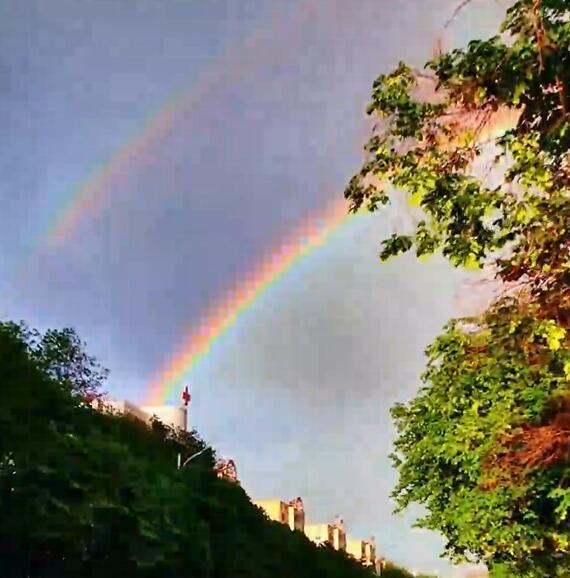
485 445
92 494
62 355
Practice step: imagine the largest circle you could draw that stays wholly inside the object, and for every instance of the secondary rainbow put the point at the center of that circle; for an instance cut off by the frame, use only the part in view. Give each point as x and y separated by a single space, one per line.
224 312
91 198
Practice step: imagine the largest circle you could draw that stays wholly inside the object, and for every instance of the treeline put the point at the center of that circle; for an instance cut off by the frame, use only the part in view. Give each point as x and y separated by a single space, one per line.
85 494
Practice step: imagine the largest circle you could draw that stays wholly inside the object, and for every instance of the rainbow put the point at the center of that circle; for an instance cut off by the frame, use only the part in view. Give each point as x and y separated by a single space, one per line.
224 313
92 197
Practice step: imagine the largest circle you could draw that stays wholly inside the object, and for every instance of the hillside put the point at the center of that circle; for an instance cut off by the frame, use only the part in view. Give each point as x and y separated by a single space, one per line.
83 493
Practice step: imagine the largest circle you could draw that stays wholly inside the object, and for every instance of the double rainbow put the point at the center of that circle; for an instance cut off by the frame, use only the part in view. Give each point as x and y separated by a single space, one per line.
94 196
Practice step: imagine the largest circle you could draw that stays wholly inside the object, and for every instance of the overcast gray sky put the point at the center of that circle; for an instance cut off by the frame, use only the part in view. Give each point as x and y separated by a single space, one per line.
298 391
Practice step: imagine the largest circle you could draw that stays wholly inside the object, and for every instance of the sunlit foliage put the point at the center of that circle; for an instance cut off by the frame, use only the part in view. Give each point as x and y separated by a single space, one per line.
485 445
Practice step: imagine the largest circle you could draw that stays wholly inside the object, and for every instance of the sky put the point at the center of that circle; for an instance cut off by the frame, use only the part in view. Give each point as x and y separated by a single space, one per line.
258 112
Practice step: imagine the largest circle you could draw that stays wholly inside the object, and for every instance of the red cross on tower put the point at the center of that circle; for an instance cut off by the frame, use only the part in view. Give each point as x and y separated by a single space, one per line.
186 397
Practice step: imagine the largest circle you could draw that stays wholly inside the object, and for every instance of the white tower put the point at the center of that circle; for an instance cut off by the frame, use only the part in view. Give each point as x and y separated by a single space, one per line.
176 417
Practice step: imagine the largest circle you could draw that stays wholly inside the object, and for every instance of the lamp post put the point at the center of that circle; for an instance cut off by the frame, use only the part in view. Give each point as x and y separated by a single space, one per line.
181 464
